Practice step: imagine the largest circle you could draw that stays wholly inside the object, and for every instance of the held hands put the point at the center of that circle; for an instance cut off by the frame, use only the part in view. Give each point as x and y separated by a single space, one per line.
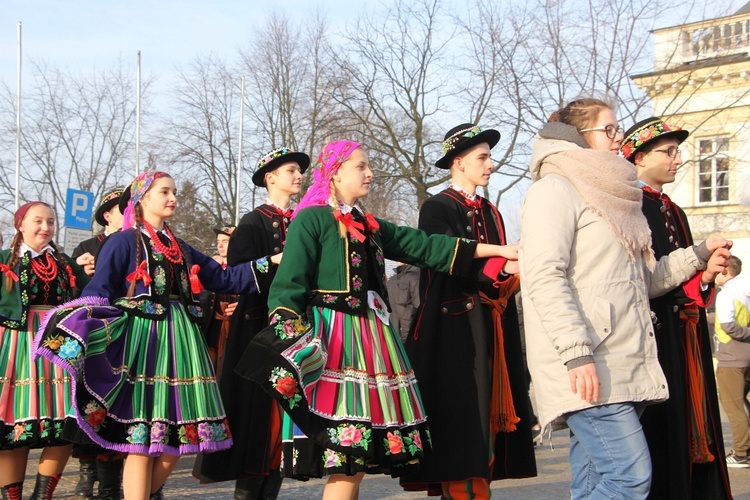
715 240
716 265
511 267
230 309
509 252
86 261
584 382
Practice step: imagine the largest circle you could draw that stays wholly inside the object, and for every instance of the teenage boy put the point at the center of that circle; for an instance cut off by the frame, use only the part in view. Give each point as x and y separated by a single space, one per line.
254 417
465 345
683 433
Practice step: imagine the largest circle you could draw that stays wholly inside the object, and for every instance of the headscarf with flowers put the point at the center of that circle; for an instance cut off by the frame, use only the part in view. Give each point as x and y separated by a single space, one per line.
330 159
140 186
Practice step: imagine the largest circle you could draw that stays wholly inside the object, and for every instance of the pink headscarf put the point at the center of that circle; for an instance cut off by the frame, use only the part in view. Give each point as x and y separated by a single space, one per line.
330 159
140 186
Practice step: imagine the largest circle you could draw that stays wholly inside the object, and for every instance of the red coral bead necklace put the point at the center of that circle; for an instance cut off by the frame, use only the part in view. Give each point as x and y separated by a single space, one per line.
172 252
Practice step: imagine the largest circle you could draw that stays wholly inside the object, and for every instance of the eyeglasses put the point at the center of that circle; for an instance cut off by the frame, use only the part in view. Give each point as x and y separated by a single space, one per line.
610 130
671 151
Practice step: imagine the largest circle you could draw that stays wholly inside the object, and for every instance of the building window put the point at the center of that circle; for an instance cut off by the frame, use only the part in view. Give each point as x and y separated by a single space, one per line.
713 173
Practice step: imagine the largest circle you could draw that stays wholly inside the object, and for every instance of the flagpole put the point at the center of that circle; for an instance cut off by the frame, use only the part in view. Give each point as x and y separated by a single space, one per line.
239 154
18 115
138 116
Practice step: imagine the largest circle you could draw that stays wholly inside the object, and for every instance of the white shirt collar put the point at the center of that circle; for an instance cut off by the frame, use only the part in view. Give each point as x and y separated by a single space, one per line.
467 195
26 248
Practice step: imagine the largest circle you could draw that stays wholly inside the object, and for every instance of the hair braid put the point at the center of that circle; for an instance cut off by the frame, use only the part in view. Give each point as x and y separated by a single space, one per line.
15 245
138 211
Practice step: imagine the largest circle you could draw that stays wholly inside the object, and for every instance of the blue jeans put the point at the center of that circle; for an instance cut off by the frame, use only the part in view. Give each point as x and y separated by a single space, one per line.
609 455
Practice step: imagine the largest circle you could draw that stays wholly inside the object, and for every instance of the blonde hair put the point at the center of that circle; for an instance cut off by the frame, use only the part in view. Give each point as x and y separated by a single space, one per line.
581 113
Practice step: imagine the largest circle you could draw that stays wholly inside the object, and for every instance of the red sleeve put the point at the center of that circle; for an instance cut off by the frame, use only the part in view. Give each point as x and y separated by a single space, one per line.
692 289
493 269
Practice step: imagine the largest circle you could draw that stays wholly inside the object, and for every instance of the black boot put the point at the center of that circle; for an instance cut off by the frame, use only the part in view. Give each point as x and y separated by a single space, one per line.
86 478
157 495
110 479
12 491
45 487
258 487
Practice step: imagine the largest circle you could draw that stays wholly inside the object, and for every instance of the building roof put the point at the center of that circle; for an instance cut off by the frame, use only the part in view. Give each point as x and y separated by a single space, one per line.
745 9
702 63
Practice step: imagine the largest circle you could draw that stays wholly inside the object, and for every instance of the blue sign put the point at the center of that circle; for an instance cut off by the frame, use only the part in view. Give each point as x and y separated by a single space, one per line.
79 206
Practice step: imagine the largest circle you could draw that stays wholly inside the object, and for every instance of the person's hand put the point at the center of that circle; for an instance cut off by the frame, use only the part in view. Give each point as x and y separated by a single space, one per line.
715 240
716 265
509 252
584 382
86 261
276 259
511 267
230 309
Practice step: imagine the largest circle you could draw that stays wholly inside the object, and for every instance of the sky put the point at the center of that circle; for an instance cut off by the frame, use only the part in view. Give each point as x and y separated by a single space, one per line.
88 34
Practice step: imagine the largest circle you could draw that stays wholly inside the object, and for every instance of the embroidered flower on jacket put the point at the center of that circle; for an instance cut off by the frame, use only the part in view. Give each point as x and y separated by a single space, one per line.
353 302
356 259
329 299
262 265
289 328
357 283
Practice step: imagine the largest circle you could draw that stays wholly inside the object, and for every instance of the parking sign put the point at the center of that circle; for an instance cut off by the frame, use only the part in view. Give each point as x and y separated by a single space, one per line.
78 208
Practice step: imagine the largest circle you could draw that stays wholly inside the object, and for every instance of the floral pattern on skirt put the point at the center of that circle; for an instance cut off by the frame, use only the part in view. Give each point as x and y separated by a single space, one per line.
142 385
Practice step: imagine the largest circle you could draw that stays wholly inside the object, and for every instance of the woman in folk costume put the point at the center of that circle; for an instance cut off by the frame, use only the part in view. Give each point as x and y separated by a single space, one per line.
587 272
144 382
34 394
330 355
683 433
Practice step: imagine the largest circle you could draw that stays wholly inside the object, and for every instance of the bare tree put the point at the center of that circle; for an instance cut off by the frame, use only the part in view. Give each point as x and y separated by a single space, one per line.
78 133
200 136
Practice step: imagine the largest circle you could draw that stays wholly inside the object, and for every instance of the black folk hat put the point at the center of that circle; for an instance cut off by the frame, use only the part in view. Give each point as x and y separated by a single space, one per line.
274 159
227 230
647 131
109 201
464 136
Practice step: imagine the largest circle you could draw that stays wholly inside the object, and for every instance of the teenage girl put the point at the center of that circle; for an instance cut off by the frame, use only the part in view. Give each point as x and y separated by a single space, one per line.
330 355
34 395
144 382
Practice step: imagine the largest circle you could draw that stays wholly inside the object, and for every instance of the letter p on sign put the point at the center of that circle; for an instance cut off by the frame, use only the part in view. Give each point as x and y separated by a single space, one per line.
78 209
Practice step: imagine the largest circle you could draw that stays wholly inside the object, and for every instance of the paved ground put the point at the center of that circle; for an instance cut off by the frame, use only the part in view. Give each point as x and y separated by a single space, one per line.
552 482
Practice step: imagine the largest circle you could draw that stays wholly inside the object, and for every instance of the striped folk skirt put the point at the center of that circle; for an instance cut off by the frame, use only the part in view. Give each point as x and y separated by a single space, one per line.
349 394
141 385
34 394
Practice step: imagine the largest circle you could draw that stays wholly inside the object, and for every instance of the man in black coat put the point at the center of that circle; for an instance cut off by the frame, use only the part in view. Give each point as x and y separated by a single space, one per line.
253 416
108 216
684 433
465 345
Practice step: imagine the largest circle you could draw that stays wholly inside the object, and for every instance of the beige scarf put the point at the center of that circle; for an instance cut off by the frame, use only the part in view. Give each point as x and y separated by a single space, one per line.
608 185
